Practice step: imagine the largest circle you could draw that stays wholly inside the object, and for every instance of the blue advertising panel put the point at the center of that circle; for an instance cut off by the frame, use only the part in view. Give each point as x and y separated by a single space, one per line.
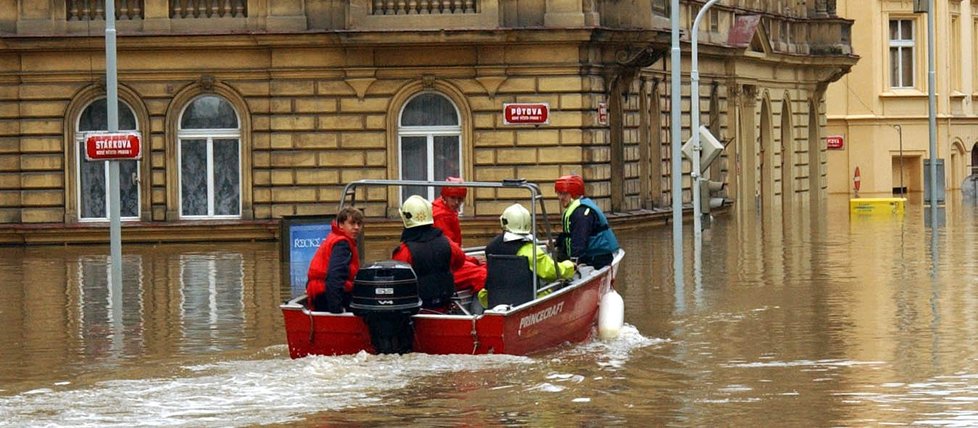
301 237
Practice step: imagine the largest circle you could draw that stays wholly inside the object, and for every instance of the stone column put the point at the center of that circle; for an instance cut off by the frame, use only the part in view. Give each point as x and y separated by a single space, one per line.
564 13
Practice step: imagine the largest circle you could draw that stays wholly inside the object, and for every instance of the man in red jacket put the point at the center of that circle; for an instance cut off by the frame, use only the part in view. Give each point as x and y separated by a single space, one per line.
472 274
335 265
446 208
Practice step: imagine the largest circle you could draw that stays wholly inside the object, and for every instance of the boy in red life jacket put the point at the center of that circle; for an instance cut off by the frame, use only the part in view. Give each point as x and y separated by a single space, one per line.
335 265
432 256
472 274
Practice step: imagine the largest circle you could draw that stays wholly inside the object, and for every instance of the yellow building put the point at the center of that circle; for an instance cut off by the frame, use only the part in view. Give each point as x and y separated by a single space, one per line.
254 110
879 111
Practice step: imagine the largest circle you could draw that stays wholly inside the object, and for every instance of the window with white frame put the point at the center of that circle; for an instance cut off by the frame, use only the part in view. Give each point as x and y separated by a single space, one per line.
901 53
93 176
209 146
429 142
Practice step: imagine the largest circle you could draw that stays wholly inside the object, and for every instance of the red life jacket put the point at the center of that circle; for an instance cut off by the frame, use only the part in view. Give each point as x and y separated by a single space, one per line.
320 262
446 219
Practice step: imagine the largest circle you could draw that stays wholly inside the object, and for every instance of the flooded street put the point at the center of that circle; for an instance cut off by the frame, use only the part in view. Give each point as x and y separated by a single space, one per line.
821 320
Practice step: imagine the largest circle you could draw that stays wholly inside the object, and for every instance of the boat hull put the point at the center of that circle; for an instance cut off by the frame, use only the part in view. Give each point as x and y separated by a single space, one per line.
568 315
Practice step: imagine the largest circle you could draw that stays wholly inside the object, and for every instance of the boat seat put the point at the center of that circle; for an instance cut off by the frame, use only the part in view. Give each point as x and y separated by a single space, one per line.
509 280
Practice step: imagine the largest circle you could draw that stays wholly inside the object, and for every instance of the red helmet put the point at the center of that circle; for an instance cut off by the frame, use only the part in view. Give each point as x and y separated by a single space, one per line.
572 184
454 192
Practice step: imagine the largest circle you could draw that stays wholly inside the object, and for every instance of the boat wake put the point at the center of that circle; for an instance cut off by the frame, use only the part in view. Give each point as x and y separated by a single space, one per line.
268 388
237 393
616 352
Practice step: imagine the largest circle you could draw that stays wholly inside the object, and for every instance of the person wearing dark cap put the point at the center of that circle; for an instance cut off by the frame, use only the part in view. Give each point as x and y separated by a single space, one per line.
445 209
587 237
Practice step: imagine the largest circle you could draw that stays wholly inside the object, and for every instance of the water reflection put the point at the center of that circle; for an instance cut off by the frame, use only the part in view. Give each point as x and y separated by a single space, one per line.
212 306
828 320
103 323
62 319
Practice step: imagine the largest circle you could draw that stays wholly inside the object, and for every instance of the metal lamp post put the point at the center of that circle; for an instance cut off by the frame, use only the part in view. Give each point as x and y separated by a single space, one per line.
694 120
899 129
112 104
675 132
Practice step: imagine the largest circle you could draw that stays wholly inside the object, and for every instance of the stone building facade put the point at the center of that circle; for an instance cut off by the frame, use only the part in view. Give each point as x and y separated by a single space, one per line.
255 110
879 113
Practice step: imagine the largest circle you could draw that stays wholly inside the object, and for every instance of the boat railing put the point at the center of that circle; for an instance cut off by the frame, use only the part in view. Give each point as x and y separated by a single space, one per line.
538 208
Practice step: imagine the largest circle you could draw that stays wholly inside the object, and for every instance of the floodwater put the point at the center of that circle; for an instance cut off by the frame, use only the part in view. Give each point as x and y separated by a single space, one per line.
817 320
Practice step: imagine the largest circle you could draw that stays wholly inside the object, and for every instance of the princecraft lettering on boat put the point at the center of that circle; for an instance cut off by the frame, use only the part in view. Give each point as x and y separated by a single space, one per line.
543 315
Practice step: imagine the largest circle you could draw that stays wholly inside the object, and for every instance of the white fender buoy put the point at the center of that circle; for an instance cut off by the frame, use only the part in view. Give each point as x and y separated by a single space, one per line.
611 315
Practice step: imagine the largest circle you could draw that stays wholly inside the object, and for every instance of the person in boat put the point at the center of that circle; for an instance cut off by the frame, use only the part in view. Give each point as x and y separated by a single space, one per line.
445 209
517 239
587 238
432 256
335 265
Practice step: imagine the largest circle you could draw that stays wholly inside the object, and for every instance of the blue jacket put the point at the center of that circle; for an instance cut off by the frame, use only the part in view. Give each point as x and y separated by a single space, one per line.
586 230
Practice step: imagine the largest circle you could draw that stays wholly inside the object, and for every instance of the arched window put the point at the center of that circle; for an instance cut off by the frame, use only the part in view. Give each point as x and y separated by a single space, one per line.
209 145
429 142
93 176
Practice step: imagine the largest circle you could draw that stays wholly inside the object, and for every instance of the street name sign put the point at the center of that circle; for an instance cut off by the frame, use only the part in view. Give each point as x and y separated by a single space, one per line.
102 146
526 113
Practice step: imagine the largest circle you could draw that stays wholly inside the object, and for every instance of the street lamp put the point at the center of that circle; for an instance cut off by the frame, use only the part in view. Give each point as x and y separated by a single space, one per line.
900 131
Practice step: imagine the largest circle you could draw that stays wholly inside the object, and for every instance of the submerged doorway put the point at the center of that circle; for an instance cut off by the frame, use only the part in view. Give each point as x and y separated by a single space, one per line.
900 179
913 173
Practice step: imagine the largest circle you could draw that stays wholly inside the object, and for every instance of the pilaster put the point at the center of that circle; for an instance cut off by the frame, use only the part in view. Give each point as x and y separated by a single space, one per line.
564 13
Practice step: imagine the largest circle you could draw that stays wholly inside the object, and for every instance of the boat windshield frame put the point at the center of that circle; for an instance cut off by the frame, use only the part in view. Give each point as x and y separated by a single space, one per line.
536 202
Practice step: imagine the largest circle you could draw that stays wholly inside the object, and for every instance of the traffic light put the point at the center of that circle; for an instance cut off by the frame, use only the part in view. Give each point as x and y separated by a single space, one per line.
710 148
707 200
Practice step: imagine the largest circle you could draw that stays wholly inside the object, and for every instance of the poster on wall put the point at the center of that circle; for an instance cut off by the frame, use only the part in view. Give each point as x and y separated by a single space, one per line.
300 237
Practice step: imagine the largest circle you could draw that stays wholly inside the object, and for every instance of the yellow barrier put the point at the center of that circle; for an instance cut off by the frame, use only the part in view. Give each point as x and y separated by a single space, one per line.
870 206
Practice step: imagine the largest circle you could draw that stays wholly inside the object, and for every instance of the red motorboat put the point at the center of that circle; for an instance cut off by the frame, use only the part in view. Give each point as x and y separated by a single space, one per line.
567 314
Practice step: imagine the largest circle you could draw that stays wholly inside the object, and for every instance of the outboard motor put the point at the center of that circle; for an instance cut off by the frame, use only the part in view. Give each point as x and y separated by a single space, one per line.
385 295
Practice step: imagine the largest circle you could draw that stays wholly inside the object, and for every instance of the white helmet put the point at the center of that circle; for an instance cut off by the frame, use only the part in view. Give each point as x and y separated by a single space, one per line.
416 211
516 219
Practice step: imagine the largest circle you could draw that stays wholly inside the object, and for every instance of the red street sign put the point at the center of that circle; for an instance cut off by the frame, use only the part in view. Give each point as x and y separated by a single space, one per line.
526 113
602 113
834 141
119 146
